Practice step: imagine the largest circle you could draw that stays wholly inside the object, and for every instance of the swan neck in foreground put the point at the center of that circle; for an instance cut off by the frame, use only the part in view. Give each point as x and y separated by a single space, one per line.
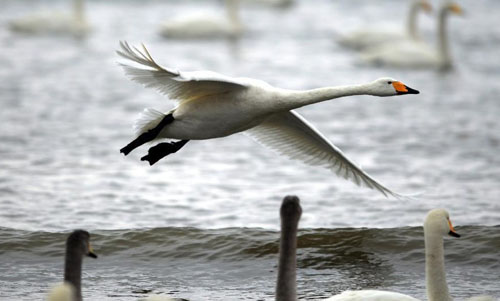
73 270
443 49
296 99
435 275
412 20
286 286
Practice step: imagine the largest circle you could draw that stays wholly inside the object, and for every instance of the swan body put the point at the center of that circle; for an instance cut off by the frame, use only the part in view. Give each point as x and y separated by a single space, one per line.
370 295
77 246
62 292
416 54
73 23
363 39
211 105
202 26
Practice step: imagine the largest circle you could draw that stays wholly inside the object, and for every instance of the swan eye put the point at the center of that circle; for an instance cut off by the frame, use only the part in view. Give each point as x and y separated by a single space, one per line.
389 82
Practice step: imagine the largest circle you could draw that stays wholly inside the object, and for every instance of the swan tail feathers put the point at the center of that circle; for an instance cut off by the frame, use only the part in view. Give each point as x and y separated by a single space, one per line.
148 119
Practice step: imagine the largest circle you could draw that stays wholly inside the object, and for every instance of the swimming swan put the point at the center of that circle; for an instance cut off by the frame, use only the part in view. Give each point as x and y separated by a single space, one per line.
205 26
77 246
54 22
437 224
211 105
363 39
416 54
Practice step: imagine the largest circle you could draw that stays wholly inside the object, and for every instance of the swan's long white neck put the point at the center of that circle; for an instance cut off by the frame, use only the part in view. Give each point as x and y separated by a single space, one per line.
286 286
290 99
435 275
412 19
78 10
443 46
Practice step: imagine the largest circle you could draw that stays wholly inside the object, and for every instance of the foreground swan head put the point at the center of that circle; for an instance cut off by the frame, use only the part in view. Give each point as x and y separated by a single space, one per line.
438 222
387 86
77 247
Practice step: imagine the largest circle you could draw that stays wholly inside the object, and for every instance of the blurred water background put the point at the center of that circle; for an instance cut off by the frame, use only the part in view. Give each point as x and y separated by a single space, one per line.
201 224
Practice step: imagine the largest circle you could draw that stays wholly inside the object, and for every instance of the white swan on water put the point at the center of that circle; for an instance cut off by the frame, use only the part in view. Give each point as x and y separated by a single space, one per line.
212 105
203 26
371 37
77 246
437 224
413 54
72 23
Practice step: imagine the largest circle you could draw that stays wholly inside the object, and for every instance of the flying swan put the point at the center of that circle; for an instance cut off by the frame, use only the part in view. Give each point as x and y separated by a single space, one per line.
437 224
416 54
211 105
371 37
72 23
77 246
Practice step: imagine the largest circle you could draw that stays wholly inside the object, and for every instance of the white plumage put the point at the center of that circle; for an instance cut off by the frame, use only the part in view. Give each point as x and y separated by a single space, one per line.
62 292
212 105
415 54
205 26
66 23
372 37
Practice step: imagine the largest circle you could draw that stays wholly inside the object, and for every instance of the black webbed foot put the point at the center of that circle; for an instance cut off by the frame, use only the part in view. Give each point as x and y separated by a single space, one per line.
157 152
147 136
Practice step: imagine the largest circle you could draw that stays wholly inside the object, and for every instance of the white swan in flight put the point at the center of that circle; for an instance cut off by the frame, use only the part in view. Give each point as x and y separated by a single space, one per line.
416 54
372 37
211 105
72 23
437 225
203 26
77 246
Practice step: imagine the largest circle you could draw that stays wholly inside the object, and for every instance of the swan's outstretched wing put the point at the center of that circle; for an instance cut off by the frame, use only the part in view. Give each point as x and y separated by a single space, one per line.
178 86
290 134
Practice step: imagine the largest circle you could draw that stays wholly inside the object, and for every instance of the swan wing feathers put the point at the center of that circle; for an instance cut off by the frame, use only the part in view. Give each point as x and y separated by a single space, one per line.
179 86
370 295
291 135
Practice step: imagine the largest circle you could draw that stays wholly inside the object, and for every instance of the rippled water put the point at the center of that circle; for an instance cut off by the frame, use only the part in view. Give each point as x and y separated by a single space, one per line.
67 109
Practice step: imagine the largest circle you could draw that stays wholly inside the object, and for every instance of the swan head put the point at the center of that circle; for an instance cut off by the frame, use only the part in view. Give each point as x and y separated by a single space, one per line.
79 242
453 8
387 86
425 6
438 222
290 209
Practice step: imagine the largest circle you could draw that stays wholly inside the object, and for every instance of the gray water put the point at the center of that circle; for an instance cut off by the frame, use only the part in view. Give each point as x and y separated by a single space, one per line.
67 109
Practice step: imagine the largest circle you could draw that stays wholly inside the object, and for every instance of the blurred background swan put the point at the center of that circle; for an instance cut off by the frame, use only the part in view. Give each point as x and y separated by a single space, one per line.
203 25
272 3
417 54
54 22
370 37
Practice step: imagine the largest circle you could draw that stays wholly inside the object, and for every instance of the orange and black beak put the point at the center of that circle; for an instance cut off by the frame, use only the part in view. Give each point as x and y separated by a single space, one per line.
91 252
403 89
452 230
